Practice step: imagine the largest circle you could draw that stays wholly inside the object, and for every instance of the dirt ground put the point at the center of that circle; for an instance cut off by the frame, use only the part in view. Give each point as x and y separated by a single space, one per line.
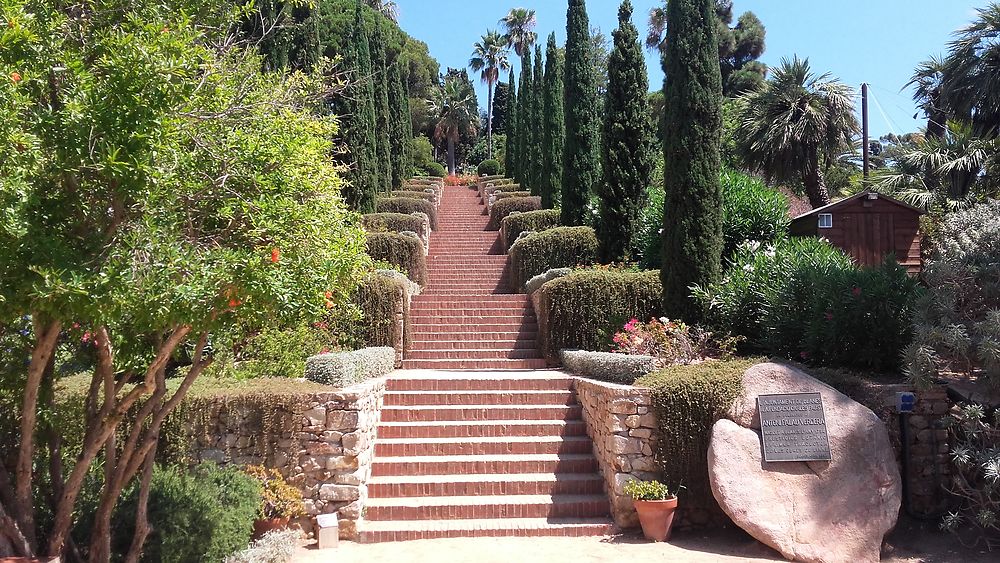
911 542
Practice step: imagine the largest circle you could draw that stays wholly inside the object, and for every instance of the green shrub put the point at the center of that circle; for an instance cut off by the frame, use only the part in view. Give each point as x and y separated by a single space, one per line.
751 211
513 225
647 490
608 366
957 322
584 309
688 400
561 247
416 194
407 205
504 207
435 169
273 352
392 223
203 515
505 195
378 297
421 154
403 251
343 369
488 167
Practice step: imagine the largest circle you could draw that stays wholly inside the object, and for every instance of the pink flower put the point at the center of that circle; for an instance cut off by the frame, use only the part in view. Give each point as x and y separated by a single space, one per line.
856 291
86 337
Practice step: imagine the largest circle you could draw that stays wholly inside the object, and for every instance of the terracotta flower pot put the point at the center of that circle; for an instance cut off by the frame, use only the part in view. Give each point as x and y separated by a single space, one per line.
265 525
656 517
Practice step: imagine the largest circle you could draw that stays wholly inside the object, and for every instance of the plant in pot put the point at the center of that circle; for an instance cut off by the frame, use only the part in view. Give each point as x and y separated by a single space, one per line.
655 505
280 501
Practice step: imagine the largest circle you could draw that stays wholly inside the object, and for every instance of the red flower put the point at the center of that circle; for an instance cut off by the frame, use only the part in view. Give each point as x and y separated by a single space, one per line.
328 295
856 291
86 337
329 304
234 303
275 255
15 77
76 325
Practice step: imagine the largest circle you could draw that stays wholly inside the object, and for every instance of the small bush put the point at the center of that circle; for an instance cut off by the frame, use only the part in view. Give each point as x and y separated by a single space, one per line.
504 208
688 400
513 225
392 222
582 310
608 366
344 369
435 169
279 499
561 247
975 439
535 283
407 205
647 490
378 297
671 342
488 167
415 194
403 251
277 546
505 195
751 211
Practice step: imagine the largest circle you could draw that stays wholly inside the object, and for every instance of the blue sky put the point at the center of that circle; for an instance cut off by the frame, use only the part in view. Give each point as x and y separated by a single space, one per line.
874 41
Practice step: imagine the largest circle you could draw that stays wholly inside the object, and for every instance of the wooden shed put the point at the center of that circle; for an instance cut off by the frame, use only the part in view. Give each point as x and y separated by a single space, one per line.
868 226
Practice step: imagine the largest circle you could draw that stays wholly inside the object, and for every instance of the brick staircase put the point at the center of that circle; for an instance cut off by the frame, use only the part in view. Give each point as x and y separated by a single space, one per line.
468 317
499 452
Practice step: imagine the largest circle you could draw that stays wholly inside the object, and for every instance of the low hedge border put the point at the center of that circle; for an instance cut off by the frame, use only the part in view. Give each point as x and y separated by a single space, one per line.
560 247
516 223
608 366
504 195
379 296
504 207
538 281
343 369
407 205
404 250
393 222
416 194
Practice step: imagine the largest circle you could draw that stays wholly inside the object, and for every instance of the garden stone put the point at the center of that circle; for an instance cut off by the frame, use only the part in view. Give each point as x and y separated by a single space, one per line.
339 493
817 511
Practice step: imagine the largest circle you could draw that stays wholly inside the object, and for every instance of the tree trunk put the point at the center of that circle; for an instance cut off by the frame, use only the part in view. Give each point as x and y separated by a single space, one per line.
489 119
451 155
142 512
815 183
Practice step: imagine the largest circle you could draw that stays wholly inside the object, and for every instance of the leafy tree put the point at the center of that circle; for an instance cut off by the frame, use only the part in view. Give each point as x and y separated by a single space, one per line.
692 223
534 159
554 133
501 108
628 141
519 25
510 153
971 74
796 125
489 57
457 113
581 161
400 128
525 122
383 129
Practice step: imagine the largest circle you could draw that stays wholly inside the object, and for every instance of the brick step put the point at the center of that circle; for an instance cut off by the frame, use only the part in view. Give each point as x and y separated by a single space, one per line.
502 445
376 532
496 381
479 278
475 364
480 397
522 312
481 429
460 286
466 292
470 485
470 335
474 326
529 343
506 299
499 316
480 354
480 507
491 464
419 413
469 307
478 261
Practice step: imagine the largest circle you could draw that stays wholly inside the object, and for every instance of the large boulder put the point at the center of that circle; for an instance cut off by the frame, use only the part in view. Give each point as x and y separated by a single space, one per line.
817 511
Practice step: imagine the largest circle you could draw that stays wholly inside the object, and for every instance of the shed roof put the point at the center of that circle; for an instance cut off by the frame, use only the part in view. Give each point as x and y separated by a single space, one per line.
832 206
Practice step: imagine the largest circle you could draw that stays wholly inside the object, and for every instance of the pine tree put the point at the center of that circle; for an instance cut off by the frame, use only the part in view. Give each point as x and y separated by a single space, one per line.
534 159
628 141
553 131
383 160
399 125
581 160
510 151
692 223
360 130
524 116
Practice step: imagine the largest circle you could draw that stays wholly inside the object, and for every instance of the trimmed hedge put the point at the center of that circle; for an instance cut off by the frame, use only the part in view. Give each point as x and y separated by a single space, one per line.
404 251
608 366
407 205
488 167
505 195
377 296
535 283
504 207
431 197
560 247
435 169
584 309
391 223
344 369
513 225
688 400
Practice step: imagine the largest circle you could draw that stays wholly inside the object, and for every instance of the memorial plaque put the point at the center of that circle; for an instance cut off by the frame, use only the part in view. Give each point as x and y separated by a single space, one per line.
793 427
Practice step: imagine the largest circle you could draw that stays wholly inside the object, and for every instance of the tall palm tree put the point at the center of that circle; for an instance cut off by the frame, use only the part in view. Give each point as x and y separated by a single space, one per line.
519 25
971 82
455 107
796 125
927 82
489 58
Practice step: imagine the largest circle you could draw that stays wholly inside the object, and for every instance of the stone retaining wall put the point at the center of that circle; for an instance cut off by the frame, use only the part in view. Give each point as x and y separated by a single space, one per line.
323 443
622 426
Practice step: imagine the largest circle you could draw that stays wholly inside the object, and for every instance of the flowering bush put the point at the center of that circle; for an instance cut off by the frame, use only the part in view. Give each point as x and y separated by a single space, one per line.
279 499
673 342
460 180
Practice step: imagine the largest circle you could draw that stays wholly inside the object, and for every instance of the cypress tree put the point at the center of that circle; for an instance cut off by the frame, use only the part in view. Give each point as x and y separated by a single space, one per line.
553 130
360 132
534 159
692 223
501 112
524 116
510 151
383 154
628 141
399 125
581 160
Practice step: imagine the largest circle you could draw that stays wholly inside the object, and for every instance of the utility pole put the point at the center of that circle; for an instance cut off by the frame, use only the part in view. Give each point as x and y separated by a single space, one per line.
865 149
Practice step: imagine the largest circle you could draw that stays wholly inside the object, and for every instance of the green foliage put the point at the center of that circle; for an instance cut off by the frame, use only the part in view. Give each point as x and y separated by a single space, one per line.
608 366
421 155
647 490
513 130
975 440
488 167
581 157
692 224
751 211
553 127
344 369
277 546
957 322
534 152
378 297
361 132
403 251
392 222
559 247
407 205
505 207
412 194
504 195
512 226
688 400
501 112
400 127
525 122
627 147
272 352
278 498
584 307
435 169
383 128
